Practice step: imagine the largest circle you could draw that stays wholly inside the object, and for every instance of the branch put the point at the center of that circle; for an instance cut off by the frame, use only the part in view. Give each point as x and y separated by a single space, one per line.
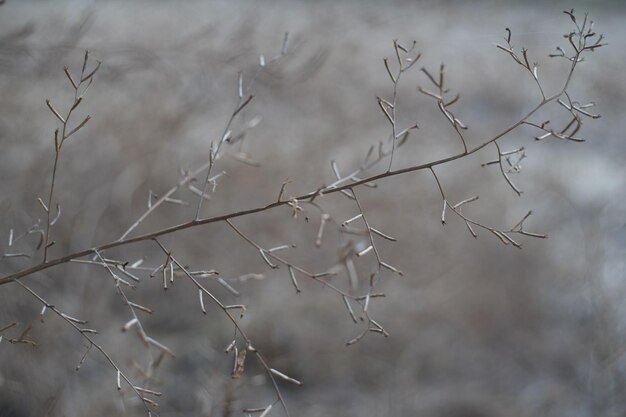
195 223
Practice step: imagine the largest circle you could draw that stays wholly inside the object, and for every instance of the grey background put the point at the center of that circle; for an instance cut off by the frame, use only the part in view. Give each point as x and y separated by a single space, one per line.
477 328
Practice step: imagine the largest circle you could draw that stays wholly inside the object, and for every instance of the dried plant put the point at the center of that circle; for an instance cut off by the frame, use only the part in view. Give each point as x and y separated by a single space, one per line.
126 274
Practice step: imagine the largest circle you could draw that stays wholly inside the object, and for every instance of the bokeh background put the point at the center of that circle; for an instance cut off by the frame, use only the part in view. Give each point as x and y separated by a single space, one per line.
476 328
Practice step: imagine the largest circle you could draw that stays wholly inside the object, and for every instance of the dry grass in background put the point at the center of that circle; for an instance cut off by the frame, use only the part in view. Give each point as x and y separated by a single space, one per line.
476 328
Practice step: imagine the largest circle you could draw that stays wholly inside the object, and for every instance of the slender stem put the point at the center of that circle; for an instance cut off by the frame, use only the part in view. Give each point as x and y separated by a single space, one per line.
238 327
369 229
57 154
59 140
91 341
241 104
213 155
315 277
393 123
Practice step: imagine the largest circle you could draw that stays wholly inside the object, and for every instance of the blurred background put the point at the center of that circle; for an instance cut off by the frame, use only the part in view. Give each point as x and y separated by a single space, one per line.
476 328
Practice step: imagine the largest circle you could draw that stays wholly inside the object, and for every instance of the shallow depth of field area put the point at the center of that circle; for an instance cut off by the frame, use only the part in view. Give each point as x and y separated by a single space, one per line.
476 327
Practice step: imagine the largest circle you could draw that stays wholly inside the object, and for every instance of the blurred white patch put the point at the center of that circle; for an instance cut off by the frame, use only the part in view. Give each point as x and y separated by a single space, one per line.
591 179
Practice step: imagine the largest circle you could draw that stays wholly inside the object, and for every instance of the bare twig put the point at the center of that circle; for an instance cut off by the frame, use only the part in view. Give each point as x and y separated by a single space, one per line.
581 40
61 137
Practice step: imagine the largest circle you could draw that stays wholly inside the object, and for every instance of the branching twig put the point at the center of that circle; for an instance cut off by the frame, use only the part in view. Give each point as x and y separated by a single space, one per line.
92 343
581 40
389 107
244 98
327 190
226 309
80 88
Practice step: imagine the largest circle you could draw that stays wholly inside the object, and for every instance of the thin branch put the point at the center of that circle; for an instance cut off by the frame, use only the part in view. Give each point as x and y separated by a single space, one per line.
92 342
327 190
195 223
226 310
242 102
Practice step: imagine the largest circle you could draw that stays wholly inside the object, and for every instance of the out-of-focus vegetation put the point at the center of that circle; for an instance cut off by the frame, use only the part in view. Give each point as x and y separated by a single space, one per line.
476 328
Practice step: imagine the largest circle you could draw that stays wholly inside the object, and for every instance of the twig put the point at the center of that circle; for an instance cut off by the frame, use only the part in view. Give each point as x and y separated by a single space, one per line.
60 138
